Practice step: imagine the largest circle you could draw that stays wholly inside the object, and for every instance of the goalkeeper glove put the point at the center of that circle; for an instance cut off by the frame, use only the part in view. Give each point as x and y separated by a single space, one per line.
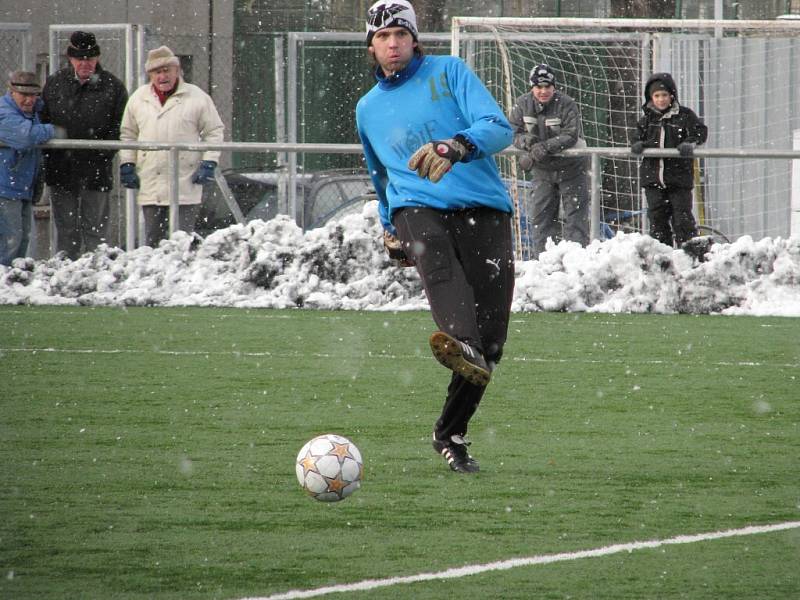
637 147
436 158
394 248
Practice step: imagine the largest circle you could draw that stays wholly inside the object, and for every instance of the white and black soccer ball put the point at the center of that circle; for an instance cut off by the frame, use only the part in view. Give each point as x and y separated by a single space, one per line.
329 467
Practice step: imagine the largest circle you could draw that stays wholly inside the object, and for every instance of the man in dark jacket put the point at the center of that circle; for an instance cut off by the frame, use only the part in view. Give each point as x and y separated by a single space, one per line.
88 102
547 121
668 182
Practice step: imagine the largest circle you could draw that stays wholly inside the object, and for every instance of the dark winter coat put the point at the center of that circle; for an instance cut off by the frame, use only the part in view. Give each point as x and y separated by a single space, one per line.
556 124
666 130
92 111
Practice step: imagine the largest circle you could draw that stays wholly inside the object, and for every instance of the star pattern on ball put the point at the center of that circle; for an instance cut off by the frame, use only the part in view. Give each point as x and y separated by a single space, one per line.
329 467
336 484
341 451
308 463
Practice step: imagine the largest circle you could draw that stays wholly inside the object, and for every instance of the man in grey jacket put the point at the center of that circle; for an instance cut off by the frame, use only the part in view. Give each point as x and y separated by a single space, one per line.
547 121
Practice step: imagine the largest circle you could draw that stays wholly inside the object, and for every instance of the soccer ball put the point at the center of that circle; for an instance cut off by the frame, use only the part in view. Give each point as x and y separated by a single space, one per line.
329 467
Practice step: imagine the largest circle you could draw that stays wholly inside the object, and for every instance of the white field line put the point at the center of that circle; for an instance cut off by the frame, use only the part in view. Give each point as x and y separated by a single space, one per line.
421 356
503 565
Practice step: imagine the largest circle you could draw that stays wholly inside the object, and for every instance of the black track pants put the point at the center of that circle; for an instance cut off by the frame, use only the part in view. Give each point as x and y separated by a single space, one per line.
466 262
670 212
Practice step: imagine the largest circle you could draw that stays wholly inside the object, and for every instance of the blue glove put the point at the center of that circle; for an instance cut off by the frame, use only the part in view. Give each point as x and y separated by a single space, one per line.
686 149
205 172
637 147
128 177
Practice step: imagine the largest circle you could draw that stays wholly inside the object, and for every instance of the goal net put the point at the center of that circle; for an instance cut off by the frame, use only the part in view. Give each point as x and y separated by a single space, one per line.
741 77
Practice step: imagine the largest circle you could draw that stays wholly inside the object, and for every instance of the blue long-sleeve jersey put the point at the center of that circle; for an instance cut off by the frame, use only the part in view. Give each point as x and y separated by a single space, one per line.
433 98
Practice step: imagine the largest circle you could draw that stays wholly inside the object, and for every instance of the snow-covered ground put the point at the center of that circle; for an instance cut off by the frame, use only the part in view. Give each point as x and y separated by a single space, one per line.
343 266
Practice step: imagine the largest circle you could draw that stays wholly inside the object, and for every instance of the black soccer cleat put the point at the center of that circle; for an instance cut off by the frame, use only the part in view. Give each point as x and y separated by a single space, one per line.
460 358
455 453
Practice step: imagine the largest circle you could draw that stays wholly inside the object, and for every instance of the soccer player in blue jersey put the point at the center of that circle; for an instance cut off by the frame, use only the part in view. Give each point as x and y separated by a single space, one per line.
429 129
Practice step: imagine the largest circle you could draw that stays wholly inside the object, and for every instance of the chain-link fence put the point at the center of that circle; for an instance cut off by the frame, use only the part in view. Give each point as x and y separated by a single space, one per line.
15 40
117 48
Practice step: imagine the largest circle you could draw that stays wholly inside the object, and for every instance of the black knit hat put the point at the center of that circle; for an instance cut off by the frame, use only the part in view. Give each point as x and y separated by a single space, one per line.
657 85
82 45
542 75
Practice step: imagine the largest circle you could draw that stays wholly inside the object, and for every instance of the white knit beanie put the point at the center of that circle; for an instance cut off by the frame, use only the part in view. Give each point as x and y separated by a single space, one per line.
391 13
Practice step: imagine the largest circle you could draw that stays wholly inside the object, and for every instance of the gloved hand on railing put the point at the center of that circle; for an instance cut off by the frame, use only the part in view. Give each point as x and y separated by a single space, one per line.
539 152
128 177
637 147
686 149
204 172
527 141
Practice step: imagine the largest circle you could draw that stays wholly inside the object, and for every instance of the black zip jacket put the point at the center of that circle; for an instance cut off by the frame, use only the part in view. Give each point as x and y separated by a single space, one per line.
666 130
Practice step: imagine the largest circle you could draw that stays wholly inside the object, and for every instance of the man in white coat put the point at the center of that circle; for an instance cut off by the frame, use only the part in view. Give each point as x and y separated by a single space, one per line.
168 109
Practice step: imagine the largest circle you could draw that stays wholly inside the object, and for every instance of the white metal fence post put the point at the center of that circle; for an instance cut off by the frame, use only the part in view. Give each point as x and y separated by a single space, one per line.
280 122
794 227
596 196
130 219
173 165
291 130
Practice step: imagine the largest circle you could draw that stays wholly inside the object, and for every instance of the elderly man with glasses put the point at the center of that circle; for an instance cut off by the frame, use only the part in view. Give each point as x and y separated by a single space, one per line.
21 130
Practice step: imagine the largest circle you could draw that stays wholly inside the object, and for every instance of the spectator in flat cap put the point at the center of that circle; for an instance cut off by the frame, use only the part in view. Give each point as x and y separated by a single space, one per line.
168 109
88 102
547 121
21 130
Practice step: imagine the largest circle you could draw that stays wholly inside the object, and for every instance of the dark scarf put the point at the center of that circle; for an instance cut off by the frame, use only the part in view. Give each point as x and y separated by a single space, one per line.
163 96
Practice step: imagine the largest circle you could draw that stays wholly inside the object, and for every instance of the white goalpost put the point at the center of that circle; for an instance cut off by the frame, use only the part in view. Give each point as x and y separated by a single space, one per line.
741 77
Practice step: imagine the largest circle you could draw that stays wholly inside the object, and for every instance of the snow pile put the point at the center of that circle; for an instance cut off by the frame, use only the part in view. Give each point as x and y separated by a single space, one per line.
343 266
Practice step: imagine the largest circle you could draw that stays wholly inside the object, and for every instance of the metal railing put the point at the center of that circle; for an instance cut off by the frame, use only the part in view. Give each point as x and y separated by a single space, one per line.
173 151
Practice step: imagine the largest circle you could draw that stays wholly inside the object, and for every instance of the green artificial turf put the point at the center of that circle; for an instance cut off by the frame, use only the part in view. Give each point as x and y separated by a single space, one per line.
149 453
